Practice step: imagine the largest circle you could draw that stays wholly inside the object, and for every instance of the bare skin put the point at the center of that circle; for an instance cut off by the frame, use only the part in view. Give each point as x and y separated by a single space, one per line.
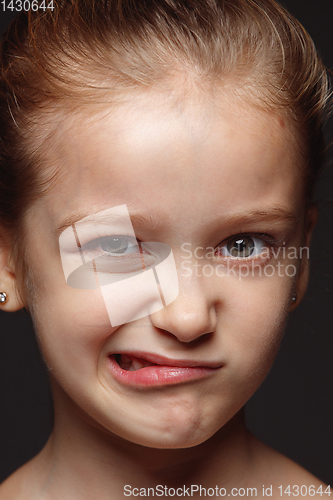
206 173
219 461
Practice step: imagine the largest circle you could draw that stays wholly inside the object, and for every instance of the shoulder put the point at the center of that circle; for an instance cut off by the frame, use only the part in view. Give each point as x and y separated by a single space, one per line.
283 477
13 486
19 486
28 482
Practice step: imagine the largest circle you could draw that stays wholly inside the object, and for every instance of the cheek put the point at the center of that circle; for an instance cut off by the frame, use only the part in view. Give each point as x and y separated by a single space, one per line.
71 326
252 322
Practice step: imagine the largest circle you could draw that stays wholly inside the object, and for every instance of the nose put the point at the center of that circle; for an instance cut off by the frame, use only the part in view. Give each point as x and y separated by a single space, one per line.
190 316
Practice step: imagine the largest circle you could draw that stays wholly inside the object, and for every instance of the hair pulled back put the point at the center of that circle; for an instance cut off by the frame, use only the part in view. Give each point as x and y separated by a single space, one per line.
89 51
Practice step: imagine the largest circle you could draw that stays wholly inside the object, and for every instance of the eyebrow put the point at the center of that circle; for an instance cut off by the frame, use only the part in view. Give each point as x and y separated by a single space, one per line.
154 222
272 214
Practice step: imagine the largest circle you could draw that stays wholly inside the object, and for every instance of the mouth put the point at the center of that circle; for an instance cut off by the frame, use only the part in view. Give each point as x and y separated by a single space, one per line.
132 363
144 370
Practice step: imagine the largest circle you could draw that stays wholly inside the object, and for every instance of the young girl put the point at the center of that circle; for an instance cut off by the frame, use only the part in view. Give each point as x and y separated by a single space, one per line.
157 169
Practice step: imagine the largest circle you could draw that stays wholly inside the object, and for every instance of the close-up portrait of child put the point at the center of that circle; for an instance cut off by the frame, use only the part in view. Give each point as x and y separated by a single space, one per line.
165 188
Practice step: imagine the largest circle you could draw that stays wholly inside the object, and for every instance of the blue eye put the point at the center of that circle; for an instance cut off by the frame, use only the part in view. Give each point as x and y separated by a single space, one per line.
111 246
116 244
242 247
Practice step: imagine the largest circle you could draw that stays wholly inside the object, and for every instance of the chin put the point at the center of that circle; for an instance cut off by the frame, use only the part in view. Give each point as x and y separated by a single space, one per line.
181 429
171 440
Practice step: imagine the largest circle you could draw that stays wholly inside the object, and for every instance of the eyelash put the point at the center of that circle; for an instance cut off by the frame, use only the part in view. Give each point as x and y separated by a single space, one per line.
266 240
96 244
264 255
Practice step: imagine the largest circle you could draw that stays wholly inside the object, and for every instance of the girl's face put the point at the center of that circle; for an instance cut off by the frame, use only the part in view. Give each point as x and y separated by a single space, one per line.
218 184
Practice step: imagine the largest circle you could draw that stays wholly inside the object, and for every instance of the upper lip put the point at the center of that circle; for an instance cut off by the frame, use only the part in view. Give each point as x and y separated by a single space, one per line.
165 361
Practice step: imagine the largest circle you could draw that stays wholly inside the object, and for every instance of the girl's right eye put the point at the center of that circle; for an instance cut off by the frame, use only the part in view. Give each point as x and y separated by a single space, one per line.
115 244
116 254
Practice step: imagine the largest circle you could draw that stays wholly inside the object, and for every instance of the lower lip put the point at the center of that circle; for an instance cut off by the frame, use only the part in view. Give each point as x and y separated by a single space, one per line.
157 375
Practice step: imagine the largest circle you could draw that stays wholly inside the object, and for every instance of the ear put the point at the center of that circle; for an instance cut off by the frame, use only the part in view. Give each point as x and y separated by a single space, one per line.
304 269
8 281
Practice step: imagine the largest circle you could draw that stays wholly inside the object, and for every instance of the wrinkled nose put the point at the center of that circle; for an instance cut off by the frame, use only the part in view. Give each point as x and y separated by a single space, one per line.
191 315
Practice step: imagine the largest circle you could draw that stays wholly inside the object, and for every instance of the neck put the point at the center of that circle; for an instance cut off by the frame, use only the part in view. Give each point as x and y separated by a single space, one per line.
80 456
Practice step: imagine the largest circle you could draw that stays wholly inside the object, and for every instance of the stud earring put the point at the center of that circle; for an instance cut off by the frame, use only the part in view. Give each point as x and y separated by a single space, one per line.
3 297
294 297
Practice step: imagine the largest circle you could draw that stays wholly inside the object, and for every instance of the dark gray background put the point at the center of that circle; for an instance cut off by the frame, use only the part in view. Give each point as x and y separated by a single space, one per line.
292 411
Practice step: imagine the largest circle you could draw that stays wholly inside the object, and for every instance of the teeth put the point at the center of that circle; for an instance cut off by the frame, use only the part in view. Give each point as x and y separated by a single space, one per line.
136 365
126 363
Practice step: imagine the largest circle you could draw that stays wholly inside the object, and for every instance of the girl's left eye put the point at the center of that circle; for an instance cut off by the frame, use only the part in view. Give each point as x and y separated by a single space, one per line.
242 247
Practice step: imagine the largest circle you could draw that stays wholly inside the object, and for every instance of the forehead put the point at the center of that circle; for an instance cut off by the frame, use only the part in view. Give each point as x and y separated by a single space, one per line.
181 156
